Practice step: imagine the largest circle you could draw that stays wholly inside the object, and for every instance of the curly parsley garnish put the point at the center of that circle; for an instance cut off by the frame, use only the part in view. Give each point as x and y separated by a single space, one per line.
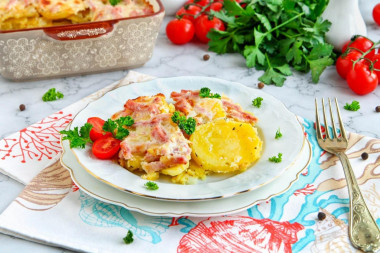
187 125
206 93
116 127
151 186
257 102
52 95
114 2
128 239
275 159
78 139
278 134
354 106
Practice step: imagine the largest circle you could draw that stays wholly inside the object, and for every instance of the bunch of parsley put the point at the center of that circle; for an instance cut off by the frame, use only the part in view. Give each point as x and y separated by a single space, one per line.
274 35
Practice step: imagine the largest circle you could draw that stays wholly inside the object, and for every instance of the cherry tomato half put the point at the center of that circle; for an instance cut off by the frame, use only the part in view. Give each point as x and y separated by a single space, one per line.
97 128
105 148
344 63
361 79
189 13
204 24
180 31
376 14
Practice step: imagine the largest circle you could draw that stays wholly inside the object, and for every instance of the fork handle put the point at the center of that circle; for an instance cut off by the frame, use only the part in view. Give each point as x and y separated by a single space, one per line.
363 230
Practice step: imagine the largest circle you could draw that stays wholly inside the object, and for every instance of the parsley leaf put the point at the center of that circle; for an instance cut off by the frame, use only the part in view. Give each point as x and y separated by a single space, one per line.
205 93
354 106
187 125
52 95
128 239
257 102
278 134
275 159
114 2
117 127
78 138
151 186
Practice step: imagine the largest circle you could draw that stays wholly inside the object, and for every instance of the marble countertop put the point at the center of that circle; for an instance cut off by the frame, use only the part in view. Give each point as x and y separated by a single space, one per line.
168 60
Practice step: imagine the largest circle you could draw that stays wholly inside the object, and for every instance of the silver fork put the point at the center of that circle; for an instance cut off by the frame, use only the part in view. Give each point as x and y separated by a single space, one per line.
362 228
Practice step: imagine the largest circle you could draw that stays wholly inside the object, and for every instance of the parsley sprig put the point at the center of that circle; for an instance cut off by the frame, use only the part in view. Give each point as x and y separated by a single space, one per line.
186 124
278 134
206 93
152 186
257 102
114 2
117 127
78 138
274 36
354 106
52 95
128 239
275 159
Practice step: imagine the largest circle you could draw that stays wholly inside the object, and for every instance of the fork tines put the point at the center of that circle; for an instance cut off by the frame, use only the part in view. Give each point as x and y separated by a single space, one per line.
318 125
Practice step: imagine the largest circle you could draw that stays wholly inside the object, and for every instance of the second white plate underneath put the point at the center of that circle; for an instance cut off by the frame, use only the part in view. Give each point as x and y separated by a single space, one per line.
106 193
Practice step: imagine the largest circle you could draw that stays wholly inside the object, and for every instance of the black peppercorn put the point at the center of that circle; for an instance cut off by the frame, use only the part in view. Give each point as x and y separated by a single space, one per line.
261 85
321 216
377 108
22 107
364 155
206 57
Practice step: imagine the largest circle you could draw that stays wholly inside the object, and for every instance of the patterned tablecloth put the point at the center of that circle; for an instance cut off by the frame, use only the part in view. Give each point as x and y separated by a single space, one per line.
52 210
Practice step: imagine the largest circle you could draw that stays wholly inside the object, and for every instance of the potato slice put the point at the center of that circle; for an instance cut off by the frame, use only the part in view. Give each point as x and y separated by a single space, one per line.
225 146
175 170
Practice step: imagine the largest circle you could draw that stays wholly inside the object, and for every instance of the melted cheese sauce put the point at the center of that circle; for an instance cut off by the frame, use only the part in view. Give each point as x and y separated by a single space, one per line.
20 14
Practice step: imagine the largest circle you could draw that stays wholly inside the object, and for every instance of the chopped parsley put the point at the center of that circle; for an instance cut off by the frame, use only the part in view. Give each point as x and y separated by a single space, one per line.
78 138
275 159
206 93
354 106
114 2
151 186
128 239
257 102
278 134
52 95
116 127
186 124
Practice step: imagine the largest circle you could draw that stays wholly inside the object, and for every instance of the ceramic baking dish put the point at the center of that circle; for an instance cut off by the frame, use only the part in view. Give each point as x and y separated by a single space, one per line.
79 48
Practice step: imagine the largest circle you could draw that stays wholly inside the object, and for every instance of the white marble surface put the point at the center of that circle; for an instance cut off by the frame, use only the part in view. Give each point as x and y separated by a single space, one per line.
297 94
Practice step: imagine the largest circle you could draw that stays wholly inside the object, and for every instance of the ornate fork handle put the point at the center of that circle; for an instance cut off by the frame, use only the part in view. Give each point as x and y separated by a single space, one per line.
363 230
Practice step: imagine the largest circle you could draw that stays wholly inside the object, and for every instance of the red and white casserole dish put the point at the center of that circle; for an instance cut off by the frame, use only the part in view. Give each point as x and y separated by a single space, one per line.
84 48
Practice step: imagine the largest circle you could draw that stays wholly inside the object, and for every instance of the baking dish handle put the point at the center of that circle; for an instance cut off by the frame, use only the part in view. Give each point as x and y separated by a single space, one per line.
80 31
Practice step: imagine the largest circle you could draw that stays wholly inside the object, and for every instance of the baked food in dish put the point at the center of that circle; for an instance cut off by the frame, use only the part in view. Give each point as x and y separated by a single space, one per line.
21 14
224 140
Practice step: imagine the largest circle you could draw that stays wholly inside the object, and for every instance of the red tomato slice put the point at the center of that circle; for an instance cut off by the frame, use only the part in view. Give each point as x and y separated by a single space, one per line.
105 148
97 128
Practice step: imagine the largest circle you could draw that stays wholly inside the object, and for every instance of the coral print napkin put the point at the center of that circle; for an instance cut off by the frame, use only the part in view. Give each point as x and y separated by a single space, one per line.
52 210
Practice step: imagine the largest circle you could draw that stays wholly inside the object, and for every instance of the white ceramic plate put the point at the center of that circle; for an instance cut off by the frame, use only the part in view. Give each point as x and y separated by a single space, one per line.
153 207
272 115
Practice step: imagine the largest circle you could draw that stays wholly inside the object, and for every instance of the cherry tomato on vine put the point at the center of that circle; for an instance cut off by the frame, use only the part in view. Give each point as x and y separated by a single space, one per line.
204 24
200 2
361 79
344 63
217 6
180 31
97 128
189 13
376 64
376 14
361 43
106 148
